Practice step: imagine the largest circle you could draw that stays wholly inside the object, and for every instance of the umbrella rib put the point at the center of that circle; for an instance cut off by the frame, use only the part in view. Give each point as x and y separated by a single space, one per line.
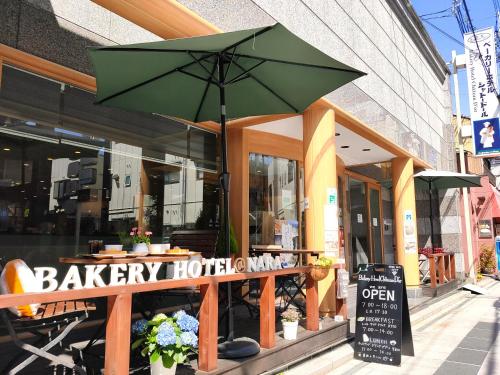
302 64
238 77
204 95
208 79
200 64
146 82
267 88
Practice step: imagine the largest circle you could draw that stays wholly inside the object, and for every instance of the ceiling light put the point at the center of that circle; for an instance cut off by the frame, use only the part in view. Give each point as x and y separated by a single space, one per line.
345 146
77 152
367 149
49 158
6 149
34 196
42 181
26 164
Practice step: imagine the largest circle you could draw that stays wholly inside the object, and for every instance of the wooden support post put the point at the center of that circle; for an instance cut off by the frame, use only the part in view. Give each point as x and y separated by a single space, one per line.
267 312
441 269
312 308
447 270
452 267
207 355
117 352
432 270
341 302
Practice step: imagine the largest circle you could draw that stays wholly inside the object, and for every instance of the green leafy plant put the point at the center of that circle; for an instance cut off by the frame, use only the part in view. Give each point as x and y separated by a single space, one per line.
487 259
290 315
140 236
168 338
125 238
323 262
233 243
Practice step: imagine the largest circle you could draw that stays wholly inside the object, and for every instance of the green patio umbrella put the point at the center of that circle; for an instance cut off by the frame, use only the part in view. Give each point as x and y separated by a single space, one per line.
267 70
435 180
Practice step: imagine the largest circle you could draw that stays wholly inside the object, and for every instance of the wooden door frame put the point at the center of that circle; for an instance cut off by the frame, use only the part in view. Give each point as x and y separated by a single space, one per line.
370 183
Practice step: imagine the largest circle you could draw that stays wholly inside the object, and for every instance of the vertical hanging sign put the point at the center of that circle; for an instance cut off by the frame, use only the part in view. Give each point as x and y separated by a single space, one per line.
331 224
482 83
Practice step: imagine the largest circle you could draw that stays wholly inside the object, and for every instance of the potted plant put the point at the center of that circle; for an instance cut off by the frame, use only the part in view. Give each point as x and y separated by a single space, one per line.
167 341
290 321
320 268
140 240
487 261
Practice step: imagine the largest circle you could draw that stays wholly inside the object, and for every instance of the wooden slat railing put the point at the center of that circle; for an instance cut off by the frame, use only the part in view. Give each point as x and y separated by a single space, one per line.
117 350
445 271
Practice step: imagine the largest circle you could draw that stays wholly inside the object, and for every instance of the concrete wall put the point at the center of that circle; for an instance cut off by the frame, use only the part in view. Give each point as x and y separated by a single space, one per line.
401 96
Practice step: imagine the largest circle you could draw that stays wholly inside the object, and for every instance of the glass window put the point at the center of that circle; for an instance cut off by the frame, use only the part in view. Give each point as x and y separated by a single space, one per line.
77 172
273 201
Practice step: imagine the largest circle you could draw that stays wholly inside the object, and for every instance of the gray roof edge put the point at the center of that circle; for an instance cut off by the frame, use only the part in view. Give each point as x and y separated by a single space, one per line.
415 28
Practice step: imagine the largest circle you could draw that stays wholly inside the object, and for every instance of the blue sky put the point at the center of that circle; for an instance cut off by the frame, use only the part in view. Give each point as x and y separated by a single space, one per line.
483 15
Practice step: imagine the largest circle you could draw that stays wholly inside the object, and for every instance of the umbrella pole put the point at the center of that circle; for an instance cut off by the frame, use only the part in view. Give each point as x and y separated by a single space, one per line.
242 346
430 215
224 181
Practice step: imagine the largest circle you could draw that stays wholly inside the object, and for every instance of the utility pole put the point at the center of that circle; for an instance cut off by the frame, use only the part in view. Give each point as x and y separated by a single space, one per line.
461 153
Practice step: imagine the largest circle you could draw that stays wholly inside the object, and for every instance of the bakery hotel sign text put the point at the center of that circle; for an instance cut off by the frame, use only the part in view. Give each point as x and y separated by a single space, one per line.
481 64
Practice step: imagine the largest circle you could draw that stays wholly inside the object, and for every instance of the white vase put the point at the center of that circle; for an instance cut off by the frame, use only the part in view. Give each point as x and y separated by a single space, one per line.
290 330
140 248
158 369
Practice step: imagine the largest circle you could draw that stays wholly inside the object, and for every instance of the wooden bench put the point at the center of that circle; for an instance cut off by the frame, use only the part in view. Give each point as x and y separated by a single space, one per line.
202 241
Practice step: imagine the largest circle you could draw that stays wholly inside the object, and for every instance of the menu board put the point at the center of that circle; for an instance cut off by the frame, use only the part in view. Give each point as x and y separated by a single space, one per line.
383 330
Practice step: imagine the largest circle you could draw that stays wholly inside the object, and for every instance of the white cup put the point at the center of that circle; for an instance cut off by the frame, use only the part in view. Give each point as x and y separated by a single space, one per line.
156 249
166 246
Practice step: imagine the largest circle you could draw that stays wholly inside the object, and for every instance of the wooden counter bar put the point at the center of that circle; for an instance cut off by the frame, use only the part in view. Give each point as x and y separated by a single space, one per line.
120 306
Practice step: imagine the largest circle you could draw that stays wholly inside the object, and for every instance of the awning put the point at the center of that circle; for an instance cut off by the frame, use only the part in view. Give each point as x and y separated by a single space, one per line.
445 180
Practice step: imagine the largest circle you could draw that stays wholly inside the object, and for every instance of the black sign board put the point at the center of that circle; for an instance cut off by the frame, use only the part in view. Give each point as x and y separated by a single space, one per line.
383 330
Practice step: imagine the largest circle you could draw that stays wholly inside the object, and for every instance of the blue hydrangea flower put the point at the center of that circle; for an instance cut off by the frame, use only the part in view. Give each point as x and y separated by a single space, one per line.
139 326
166 335
189 339
179 313
187 323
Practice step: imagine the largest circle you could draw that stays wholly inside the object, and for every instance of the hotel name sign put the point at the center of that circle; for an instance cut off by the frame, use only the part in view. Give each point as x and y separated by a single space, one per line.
133 273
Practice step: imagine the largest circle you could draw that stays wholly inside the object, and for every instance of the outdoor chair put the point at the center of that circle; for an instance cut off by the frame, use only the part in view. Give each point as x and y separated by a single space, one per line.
52 323
200 241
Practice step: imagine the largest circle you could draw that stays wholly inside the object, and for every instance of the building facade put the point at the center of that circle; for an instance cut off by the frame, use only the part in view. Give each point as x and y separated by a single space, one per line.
360 144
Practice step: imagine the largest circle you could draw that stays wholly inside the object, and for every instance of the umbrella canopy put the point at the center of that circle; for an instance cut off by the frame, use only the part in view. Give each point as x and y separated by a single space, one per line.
267 70
261 71
437 180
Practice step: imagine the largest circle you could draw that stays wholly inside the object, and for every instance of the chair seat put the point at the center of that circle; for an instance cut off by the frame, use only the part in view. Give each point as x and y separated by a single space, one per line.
54 311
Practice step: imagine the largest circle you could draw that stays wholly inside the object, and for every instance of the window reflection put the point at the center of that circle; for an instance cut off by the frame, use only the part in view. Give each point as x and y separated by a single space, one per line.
91 173
273 201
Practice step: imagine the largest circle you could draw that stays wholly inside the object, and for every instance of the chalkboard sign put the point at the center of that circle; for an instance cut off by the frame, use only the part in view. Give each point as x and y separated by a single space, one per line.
383 330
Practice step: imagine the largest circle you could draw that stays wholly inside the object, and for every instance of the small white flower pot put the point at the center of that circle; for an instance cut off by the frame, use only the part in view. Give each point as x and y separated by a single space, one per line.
290 330
140 248
158 369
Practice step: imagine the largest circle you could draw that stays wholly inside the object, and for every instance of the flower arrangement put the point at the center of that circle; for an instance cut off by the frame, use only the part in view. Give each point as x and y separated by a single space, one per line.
140 236
168 338
290 315
321 268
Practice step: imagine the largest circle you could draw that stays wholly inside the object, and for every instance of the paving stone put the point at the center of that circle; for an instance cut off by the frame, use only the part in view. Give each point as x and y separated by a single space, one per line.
475 357
448 368
472 343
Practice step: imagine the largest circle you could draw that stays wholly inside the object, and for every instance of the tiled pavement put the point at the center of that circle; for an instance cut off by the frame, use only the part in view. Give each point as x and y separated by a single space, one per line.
463 341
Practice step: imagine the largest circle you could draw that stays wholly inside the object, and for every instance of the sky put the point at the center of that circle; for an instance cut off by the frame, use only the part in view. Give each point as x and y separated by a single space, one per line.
482 13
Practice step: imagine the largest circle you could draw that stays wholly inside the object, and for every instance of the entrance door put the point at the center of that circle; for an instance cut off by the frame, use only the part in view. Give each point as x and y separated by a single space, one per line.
366 234
375 224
